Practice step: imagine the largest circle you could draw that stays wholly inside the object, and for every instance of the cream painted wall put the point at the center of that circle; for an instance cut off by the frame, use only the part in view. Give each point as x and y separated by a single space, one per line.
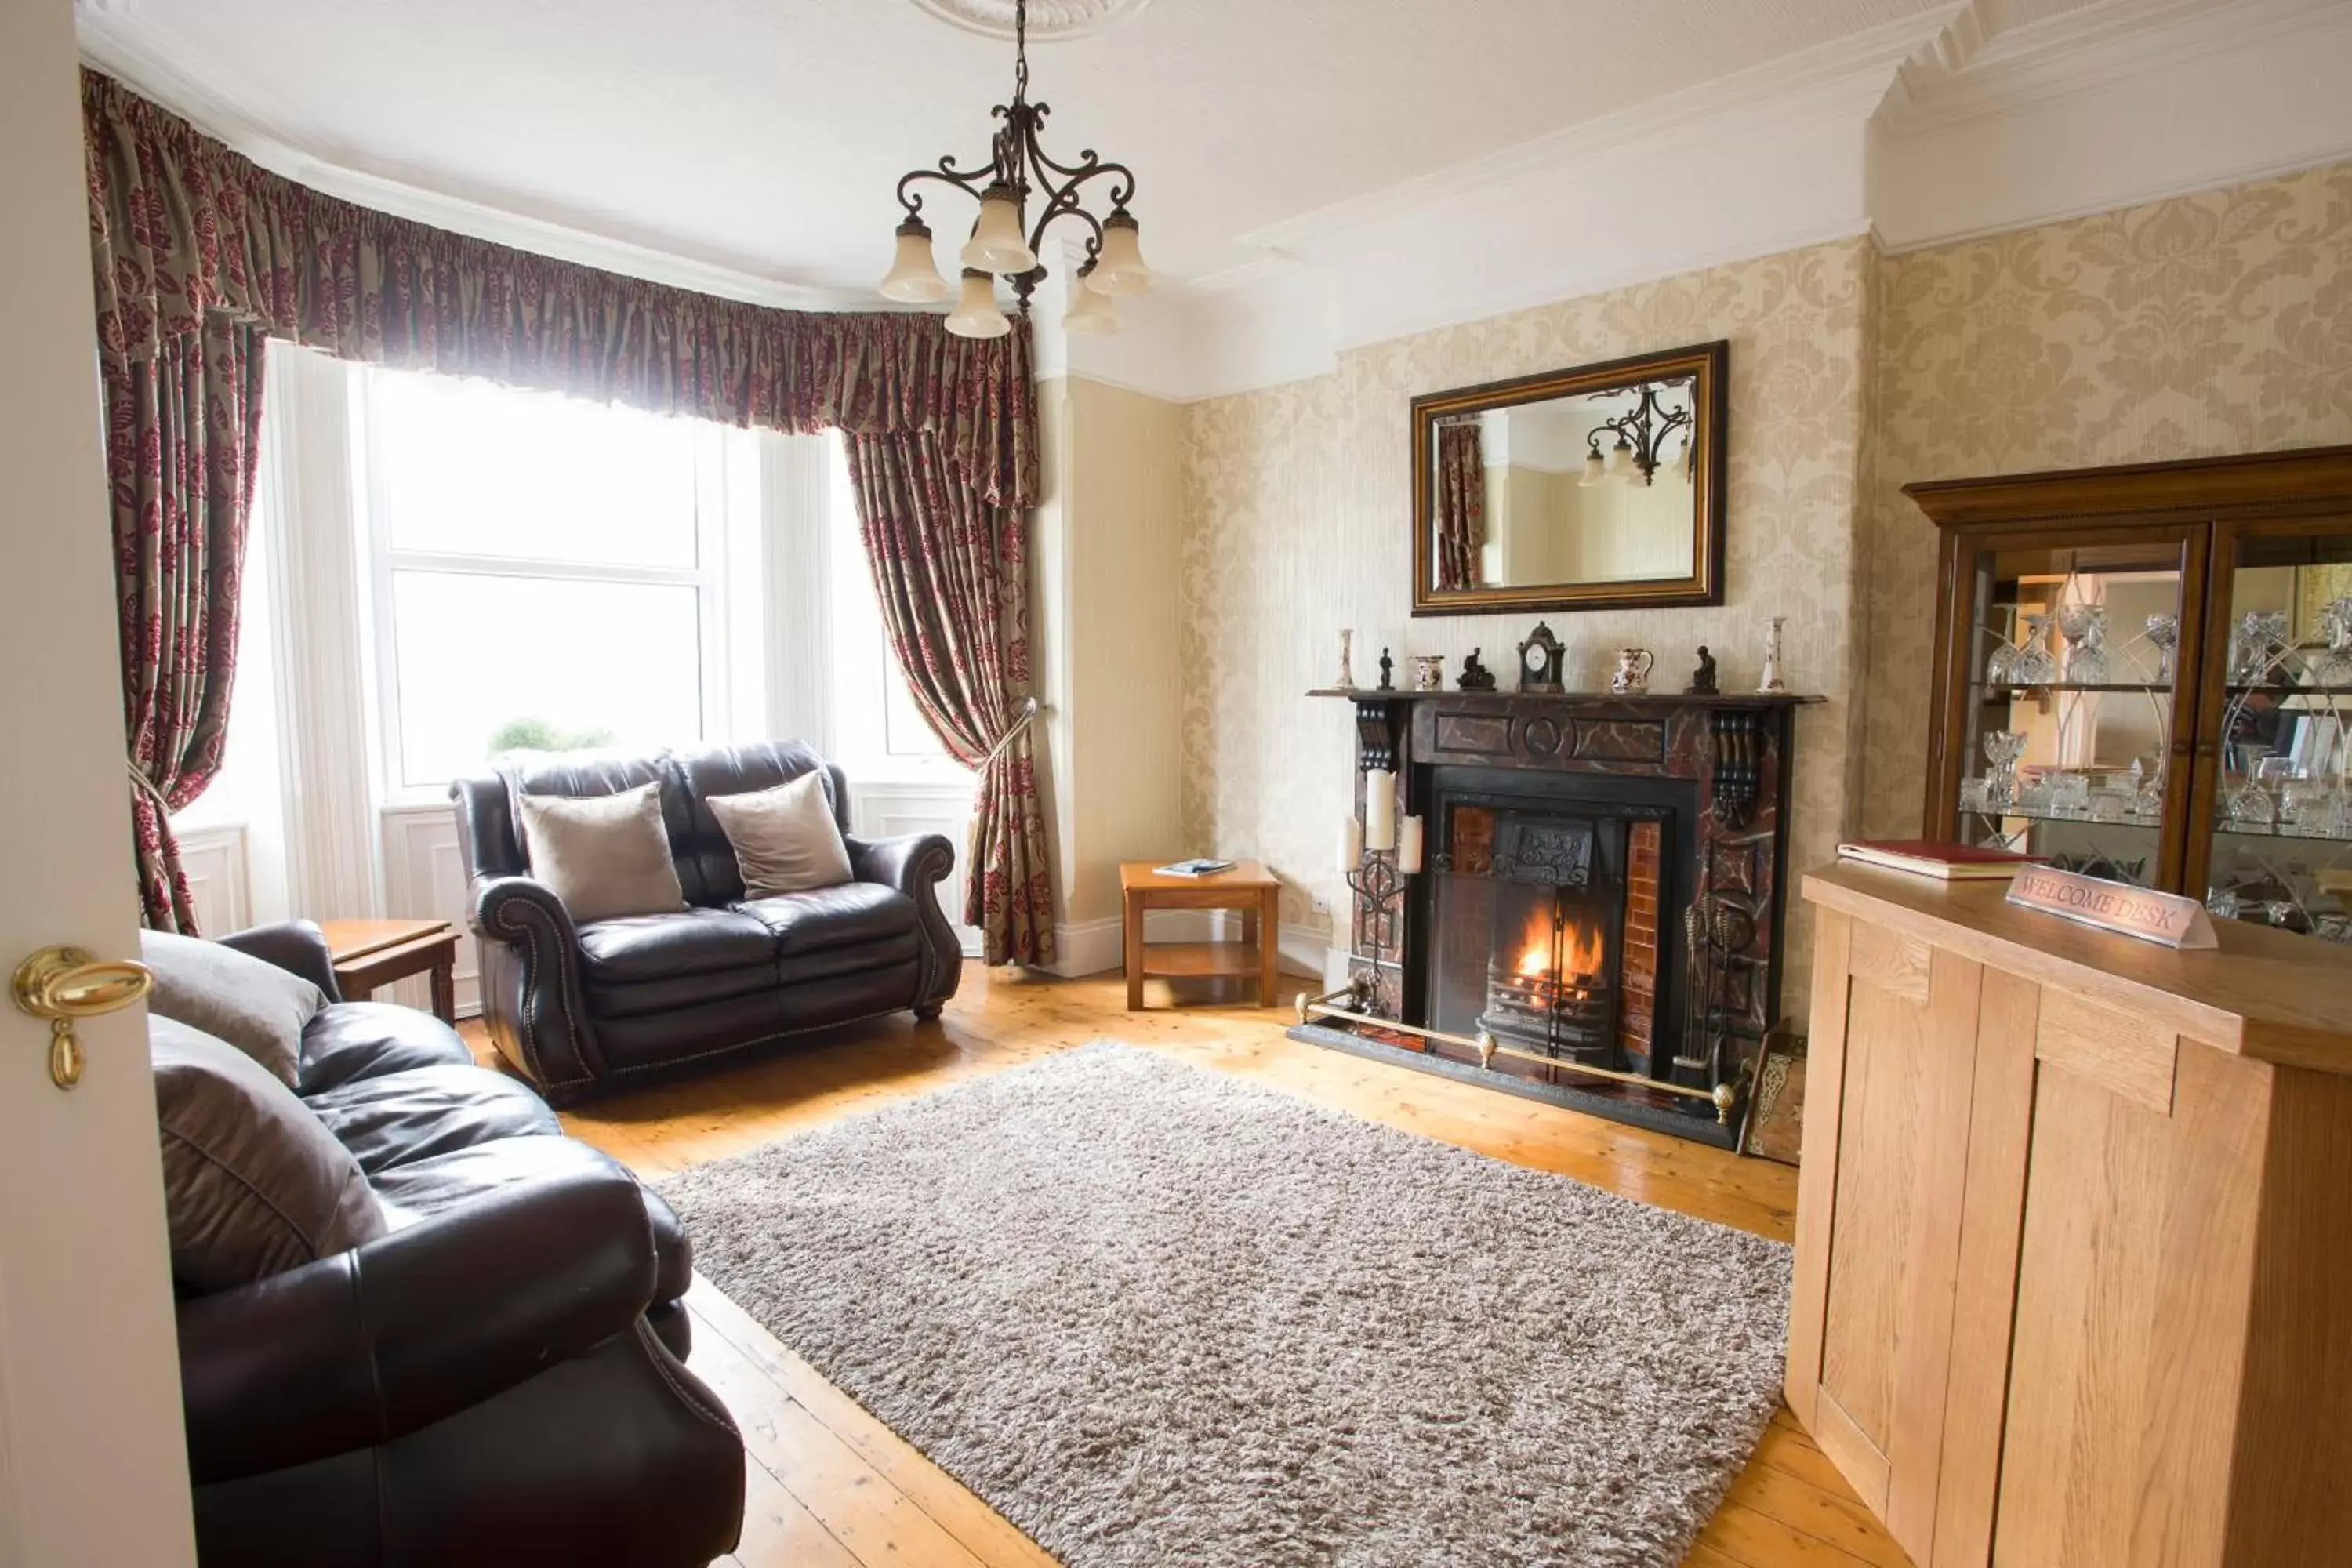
2207 325
1109 541
1297 500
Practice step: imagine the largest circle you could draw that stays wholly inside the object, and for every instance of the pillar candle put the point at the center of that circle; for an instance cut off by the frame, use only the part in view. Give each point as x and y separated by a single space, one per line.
1351 845
1380 809
1408 846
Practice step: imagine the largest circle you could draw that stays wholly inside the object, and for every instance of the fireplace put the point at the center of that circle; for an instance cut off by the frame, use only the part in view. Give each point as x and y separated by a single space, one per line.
1597 916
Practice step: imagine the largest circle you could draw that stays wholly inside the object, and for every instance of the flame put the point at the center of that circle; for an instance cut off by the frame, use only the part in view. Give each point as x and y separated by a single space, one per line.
1577 952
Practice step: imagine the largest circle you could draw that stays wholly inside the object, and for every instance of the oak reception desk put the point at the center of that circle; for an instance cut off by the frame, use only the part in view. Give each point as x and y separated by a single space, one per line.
2073 1275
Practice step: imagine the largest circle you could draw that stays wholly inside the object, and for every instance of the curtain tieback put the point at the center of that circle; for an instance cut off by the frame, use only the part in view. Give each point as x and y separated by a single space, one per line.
146 787
1021 721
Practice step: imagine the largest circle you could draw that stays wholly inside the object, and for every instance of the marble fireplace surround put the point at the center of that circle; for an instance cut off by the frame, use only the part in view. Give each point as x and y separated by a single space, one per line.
1735 748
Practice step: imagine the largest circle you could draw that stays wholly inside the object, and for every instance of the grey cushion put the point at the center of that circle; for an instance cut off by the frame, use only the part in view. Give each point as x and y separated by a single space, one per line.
603 855
253 1006
785 839
254 1184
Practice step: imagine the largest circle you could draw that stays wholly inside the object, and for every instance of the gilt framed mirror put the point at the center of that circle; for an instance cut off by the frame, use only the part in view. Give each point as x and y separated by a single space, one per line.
1599 487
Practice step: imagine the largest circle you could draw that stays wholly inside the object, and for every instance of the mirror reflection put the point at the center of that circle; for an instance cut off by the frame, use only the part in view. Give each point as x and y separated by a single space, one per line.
1595 488
1582 488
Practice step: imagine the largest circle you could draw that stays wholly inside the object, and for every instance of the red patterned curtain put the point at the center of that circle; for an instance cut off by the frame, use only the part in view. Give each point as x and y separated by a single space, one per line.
193 245
181 427
1461 506
952 576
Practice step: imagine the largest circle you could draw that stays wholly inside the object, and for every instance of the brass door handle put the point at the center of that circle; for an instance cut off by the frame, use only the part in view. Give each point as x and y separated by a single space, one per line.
63 983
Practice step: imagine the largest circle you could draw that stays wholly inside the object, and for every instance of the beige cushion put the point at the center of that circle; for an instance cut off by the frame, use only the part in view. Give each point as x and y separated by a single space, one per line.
254 1184
603 855
785 839
252 1004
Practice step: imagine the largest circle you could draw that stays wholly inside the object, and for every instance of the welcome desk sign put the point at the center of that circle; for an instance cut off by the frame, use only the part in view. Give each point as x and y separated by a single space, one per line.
2168 919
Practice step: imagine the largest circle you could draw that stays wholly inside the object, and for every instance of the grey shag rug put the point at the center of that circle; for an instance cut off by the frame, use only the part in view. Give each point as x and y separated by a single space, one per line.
1158 1316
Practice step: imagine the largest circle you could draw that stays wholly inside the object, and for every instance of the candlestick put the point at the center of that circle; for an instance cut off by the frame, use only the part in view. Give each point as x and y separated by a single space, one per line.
1380 809
1351 843
1408 846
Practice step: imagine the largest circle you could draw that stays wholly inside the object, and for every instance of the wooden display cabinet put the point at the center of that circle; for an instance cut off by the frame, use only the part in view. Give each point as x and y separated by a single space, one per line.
2096 624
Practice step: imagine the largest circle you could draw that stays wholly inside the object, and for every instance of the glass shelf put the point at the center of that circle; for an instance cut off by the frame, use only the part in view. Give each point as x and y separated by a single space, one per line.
2083 819
2291 831
2150 688
2274 691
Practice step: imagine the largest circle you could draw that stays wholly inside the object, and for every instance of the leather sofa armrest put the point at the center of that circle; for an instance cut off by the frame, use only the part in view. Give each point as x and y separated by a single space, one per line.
915 864
371 1344
532 989
298 947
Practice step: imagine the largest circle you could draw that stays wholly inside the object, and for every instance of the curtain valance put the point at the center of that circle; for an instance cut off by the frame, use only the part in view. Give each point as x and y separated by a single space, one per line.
181 226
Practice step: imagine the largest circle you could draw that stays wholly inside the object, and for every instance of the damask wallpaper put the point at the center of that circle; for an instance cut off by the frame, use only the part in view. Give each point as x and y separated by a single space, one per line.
2208 324
1296 524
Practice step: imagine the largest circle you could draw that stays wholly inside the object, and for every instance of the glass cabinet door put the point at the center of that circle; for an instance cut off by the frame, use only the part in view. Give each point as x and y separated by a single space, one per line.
2273 781
2069 732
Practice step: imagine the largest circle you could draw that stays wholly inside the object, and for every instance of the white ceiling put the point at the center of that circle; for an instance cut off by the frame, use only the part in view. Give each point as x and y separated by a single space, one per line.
765 135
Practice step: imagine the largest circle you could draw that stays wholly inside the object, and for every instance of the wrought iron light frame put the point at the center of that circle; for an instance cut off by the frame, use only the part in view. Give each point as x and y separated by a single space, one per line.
1647 426
1016 155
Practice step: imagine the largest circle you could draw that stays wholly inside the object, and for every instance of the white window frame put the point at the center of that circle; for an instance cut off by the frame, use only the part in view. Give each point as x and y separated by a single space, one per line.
707 577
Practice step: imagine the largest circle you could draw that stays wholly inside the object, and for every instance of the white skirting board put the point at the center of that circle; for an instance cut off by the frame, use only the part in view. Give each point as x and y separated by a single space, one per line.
1096 947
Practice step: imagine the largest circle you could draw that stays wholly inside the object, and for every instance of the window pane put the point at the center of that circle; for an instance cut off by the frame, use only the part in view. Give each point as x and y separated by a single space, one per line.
600 664
474 468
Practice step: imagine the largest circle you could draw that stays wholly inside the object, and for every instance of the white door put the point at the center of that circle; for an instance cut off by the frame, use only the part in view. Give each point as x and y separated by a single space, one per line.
93 1467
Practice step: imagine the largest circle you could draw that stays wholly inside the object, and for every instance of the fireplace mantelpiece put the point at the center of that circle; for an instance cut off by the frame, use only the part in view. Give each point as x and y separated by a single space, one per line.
1719 768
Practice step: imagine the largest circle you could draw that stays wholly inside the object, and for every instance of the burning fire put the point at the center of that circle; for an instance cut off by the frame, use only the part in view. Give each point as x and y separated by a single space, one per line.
1566 954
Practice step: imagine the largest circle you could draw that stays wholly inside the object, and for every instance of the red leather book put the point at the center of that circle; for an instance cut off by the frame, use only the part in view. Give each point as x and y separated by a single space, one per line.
1951 862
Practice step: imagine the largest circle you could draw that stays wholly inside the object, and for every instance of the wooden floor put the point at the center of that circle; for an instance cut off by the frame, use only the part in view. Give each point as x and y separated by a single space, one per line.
830 1487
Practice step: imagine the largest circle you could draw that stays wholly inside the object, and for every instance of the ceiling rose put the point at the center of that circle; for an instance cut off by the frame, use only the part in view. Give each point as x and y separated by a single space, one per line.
1049 20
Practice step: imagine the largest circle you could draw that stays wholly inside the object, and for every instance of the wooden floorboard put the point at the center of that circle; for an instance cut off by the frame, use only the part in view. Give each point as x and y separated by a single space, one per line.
831 1487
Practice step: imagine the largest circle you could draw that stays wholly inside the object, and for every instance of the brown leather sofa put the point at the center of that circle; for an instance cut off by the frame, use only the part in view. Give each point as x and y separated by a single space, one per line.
498 1380
576 1008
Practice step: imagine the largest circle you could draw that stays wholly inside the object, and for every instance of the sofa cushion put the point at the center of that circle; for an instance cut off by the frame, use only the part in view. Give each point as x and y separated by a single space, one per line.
659 947
229 995
352 1040
834 917
253 1184
602 855
397 1118
422 1188
785 838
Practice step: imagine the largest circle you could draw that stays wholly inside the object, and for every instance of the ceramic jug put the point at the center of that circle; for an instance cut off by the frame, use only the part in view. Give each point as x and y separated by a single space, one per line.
1633 675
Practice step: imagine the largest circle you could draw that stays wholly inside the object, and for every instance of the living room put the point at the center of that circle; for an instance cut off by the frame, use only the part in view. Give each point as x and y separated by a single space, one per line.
1517 783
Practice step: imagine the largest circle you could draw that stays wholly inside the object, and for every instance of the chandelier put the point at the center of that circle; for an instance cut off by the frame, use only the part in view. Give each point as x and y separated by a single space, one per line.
1642 436
1000 245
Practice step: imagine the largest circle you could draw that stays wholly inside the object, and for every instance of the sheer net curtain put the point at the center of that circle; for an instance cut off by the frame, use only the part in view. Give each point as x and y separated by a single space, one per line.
198 254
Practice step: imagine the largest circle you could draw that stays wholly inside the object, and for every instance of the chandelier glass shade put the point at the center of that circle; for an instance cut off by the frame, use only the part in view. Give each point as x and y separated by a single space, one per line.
1021 178
1640 449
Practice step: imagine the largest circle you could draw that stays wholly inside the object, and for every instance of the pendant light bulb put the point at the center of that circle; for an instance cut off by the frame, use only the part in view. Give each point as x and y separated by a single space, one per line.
996 245
1091 313
1621 461
976 315
1596 470
1118 268
914 278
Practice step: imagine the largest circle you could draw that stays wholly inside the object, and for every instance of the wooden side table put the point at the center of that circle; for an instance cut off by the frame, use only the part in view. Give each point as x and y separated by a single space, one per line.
1248 887
369 954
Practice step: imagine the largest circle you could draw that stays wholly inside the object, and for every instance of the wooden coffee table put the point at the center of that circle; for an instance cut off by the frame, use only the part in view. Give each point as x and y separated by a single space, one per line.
1248 887
369 954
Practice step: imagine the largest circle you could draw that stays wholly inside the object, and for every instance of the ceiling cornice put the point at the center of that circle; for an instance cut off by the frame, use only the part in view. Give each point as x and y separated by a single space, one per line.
1845 77
181 76
1969 73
